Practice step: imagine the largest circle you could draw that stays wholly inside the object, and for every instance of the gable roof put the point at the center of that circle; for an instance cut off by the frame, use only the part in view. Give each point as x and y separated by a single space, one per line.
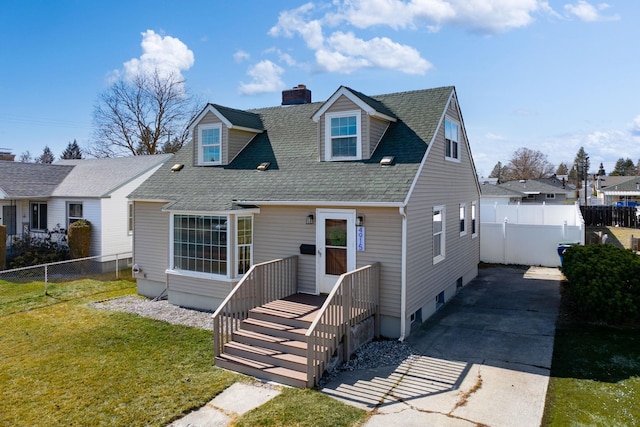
232 118
373 107
30 180
494 190
296 175
100 177
628 185
532 186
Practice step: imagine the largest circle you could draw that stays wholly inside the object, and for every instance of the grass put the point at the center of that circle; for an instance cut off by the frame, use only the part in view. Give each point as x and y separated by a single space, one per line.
595 376
65 363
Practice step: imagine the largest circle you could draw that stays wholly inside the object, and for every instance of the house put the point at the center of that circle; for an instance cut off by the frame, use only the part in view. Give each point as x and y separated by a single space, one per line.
339 186
619 190
493 193
40 198
537 191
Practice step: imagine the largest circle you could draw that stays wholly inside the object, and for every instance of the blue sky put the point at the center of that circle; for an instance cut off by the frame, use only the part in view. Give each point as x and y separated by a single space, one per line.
548 75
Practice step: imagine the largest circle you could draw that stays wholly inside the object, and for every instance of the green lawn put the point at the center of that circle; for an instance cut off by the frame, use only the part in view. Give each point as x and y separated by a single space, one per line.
595 377
65 363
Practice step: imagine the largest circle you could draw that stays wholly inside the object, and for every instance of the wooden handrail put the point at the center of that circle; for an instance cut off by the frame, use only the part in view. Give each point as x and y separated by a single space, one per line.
263 283
354 298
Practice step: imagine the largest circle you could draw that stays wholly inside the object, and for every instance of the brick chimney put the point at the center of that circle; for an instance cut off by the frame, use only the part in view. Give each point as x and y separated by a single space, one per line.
298 95
7 156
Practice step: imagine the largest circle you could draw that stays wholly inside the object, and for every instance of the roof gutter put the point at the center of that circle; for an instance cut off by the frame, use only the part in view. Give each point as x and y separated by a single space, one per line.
323 203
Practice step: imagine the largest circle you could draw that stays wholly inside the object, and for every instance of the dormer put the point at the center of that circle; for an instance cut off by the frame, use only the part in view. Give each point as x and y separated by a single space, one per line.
220 133
350 125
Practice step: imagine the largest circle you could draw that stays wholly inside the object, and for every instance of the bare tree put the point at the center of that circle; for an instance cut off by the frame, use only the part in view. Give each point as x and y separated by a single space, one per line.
25 157
528 164
140 116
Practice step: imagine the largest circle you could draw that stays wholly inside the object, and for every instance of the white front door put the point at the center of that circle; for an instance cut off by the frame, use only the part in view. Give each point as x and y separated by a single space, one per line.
336 245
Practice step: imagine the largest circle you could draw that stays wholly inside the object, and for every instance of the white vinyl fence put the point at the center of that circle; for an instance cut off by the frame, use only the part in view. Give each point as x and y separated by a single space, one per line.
528 234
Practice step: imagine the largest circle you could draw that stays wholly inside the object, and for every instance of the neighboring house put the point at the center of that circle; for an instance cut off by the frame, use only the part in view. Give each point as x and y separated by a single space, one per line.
620 190
536 191
40 198
341 184
492 194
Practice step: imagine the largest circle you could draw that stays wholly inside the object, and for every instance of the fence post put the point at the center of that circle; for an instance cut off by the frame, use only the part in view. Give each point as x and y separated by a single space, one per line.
46 278
504 240
117 268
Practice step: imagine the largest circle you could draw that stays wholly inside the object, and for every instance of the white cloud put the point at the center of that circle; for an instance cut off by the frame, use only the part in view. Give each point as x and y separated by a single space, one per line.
635 127
587 12
241 55
265 77
168 55
494 137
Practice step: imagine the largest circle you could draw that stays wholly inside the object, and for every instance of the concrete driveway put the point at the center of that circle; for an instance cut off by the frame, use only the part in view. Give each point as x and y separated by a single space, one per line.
483 359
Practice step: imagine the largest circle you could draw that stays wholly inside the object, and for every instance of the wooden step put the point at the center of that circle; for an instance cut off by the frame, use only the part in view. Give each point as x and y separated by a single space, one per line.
284 345
267 355
274 329
282 317
263 371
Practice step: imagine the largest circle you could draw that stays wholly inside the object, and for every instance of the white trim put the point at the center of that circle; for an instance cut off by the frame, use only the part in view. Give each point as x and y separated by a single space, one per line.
353 98
403 276
476 211
463 209
443 234
210 108
237 245
457 141
328 138
343 214
201 128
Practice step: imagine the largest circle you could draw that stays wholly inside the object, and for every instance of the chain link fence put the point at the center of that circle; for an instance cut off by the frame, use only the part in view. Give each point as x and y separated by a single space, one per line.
102 267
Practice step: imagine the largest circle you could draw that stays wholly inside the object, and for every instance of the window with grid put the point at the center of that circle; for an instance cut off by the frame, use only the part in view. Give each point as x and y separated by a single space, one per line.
438 233
200 243
245 244
343 136
210 144
452 141
74 213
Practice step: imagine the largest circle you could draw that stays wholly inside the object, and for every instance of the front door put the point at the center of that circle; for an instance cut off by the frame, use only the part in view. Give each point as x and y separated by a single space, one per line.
335 242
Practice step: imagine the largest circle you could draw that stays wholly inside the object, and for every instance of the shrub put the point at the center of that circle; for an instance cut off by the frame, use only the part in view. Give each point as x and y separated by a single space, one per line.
30 250
603 282
3 245
79 235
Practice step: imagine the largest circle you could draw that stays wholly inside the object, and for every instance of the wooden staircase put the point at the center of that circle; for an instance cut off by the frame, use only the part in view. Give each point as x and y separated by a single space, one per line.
271 344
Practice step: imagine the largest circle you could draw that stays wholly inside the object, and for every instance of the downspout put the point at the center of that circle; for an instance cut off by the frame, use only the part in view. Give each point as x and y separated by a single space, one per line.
403 277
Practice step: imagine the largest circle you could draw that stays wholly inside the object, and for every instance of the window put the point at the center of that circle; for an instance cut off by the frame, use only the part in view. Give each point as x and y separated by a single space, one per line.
452 141
74 213
551 196
130 218
38 216
438 233
200 244
474 229
245 244
463 209
343 139
210 145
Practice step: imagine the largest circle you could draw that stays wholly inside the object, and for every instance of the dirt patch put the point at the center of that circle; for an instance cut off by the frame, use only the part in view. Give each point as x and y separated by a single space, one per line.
618 236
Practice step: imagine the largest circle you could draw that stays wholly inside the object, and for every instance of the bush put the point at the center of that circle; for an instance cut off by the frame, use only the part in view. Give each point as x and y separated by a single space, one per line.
79 234
603 283
28 251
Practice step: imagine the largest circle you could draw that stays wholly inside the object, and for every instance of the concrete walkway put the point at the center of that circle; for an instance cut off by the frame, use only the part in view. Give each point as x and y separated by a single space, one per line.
484 359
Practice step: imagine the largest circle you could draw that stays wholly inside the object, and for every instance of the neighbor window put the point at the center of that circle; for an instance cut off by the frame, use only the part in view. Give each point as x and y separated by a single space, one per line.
130 218
452 139
210 144
244 244
551 196
438 233
74 213
343 139
38 216
200 243
463 209
474 229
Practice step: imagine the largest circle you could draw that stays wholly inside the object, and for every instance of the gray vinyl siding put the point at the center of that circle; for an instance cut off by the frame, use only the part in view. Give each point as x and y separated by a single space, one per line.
377 129
236 141
345 104
447 183
208 119
151 242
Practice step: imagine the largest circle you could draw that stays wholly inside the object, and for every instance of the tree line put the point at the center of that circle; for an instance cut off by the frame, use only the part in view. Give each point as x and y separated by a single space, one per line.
526 163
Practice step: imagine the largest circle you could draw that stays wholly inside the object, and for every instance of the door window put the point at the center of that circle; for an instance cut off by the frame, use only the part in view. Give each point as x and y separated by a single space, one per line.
336 246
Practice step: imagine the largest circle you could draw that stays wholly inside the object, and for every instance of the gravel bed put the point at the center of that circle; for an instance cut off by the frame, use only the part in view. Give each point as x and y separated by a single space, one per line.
159 310
372 355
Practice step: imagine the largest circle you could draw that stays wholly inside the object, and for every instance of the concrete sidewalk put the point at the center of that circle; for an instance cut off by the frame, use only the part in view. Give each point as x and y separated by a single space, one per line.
484 359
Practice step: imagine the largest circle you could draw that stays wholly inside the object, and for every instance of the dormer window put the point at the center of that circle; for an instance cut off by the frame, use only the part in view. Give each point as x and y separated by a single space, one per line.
343 135
210 144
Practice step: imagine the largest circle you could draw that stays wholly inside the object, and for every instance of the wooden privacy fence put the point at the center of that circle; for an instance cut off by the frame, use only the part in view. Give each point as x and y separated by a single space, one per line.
263 283
353 299
610 216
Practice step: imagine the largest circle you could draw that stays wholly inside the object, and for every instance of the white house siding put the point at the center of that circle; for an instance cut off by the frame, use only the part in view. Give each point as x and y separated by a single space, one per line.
91 211
441 183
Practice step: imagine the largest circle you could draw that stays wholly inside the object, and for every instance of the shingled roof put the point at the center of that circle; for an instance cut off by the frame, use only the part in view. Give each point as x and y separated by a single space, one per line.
296 174
30 180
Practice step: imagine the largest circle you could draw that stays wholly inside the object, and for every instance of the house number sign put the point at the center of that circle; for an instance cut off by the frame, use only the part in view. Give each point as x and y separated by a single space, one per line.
360 238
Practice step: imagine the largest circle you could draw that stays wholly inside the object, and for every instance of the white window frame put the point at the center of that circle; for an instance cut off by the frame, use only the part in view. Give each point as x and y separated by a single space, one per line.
474 219
441 234
550 196
72 219
201 147
239 245
328 139
463 219
450 144
39 208
130 218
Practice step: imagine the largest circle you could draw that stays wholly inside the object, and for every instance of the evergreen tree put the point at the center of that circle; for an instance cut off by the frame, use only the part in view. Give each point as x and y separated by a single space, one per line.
46 156
601 171
581 164
562 169
72 151
624 167
496 172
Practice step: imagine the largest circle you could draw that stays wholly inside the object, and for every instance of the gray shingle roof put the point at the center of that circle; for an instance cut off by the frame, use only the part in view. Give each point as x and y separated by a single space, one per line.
100 177
487 189
30 180
296 174
240 118
531 186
